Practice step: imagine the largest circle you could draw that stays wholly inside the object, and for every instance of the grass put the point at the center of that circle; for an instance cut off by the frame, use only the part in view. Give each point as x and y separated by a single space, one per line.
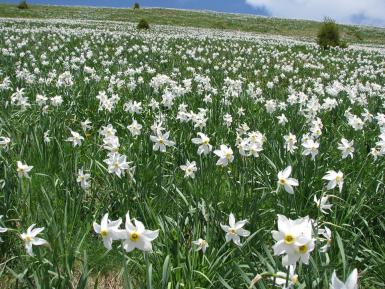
265 25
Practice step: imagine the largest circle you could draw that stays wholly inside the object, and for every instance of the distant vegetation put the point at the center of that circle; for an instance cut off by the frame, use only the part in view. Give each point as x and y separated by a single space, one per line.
143 24
23 5
247 23
329 35
136 5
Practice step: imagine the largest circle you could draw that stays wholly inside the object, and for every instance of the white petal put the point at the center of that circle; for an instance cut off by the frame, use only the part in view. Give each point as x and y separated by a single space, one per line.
286 172
36 231
243 232
231 220
39 242
104 221
336 283
351 282
151 235
96 228
289 189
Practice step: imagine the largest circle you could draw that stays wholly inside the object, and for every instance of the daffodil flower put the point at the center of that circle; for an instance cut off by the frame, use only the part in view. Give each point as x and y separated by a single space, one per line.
202 245
189 169
293 238
285 181
30 238
75 138
161 141
2 230
323 203
351 282
235 230
23 169
203 141
225 155
137 237
109 230
335 179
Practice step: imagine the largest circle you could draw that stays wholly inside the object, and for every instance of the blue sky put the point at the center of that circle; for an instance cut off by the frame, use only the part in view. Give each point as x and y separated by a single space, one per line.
367 12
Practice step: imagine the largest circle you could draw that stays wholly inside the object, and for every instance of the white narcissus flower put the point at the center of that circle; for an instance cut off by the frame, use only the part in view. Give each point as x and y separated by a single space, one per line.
135 128
161 141
346 148
75 138
23 169
290 142
203 141
311 148
107 131
30 238
351 282
189 169
2 230
282 277
109 230
137 237
83 179
327 233
225 155
4 141
117 164
282 119
235 230
323 203
111 143
86 125
202 245
375 153
302 253
293 238
46 137
286 182
335 179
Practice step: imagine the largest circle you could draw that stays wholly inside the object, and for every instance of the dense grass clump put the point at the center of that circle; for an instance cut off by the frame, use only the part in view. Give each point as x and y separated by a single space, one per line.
329 35
143 24
23 5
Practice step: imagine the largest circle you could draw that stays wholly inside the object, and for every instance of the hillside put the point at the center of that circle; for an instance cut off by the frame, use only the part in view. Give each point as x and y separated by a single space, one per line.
201 19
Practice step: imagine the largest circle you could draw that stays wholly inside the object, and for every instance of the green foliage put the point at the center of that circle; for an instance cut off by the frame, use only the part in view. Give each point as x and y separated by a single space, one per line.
136 5
344 44
23 5
143 24
329 34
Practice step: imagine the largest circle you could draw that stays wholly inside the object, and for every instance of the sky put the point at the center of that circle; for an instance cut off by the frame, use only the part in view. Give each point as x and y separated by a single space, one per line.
365 12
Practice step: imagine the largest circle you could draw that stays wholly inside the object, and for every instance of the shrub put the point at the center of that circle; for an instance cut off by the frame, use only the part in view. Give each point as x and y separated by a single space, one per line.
23 5
329 34
136 5
343 44
143 24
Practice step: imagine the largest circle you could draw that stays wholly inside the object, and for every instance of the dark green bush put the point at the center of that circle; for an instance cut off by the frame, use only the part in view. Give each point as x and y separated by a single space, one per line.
329 34
23 5
343 44
136 5
143 24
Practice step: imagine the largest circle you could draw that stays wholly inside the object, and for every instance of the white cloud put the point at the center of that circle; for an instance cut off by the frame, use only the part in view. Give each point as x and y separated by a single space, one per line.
371 12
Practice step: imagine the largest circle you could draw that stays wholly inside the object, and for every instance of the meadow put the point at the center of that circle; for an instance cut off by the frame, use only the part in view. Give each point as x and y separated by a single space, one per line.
298 28
224 159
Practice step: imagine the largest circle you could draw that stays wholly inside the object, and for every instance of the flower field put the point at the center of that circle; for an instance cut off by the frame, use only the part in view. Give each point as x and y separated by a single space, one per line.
188 158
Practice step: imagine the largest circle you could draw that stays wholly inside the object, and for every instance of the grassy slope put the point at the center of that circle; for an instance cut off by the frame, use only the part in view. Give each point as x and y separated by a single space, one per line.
295 28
